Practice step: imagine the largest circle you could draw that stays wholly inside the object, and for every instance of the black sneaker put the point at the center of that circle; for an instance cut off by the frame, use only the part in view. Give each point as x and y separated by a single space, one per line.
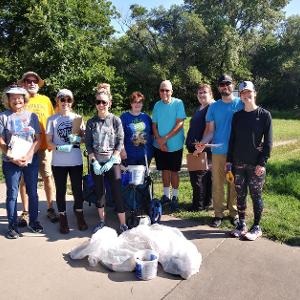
99 226
12 233
123 228
52 215
165 200
36 227
174 204
234 221
216 222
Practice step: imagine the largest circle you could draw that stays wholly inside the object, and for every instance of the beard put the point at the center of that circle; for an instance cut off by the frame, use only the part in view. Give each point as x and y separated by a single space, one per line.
225 93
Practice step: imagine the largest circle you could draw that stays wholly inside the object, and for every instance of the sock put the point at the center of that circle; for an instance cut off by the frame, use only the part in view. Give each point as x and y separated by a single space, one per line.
167 191
174 192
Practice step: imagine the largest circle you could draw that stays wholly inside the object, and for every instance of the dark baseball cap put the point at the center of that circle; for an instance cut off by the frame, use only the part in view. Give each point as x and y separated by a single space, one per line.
225 78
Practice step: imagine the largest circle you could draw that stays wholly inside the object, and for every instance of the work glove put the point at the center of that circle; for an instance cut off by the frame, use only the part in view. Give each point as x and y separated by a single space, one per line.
64 148
108 165
74 139
229 175
96 167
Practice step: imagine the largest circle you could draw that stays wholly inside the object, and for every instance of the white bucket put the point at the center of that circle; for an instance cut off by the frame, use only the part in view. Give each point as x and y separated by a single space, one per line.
146 264
137 174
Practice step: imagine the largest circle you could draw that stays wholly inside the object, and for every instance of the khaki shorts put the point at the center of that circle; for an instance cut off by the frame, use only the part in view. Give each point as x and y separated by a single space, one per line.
45 158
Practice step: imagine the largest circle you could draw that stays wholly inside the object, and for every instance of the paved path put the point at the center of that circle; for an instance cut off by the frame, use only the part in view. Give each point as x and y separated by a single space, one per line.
38 267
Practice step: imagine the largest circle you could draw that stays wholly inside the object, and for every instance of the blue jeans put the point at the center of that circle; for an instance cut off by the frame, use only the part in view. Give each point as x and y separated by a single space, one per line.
12 174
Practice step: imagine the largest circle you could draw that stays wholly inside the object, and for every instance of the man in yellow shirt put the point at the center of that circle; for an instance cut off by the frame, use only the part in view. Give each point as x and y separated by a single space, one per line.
42 106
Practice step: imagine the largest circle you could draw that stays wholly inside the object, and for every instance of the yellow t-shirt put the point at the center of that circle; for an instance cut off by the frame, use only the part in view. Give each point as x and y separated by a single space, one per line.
42 106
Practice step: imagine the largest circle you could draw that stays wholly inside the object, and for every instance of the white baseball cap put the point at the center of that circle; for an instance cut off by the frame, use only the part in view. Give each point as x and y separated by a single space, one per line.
246 85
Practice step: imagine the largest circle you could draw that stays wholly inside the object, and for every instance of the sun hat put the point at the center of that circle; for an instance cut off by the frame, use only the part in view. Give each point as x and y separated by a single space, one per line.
31 73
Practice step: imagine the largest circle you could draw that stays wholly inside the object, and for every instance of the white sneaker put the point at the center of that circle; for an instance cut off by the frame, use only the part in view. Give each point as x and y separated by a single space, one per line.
239 231
254 233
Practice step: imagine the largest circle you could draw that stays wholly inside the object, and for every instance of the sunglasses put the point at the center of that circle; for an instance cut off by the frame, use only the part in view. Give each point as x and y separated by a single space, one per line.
29 81
164 91
222 84
68 100
104 103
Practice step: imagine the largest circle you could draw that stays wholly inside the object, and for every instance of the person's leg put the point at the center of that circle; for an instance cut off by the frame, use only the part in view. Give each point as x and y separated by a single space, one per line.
23 219
76 183
195 179
218 180
207 185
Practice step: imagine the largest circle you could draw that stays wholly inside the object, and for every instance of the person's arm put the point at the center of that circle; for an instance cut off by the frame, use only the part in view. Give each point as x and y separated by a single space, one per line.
89 140
207 137
160 141
231 141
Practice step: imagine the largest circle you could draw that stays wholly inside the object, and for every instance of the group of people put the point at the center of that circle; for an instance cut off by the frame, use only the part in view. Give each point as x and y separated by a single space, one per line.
240 130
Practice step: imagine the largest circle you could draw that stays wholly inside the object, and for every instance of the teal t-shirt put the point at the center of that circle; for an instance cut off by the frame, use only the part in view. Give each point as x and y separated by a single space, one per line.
221 114
165 115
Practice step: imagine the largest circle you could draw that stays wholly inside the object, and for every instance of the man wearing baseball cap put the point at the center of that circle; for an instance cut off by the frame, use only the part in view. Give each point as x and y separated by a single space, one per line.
42 106
249 149
218 127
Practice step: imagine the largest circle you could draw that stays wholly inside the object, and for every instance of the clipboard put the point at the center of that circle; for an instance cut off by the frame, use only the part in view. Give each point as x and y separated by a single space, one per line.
197 163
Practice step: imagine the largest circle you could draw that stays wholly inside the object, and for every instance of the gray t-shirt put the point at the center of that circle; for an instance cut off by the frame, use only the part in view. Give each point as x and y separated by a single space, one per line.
23 125
60 127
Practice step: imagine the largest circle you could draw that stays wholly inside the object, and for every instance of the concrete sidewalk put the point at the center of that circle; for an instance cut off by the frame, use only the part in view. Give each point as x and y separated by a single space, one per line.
37 266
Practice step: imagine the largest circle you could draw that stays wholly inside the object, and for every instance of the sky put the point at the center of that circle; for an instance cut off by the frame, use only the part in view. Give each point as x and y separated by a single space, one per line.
123 6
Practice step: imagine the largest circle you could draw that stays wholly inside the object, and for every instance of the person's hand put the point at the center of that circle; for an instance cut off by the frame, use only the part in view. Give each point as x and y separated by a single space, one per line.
196 152
161 141
164 148
228 167
259 170
74 139
123 154
108 165
96 167
64 148
200 147
21 162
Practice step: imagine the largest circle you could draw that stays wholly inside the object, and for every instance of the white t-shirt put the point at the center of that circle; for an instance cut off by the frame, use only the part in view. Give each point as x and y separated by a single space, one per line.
60 127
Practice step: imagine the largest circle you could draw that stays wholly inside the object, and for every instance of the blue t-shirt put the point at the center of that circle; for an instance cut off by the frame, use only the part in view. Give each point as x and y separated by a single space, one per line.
165 115
221 114
137 135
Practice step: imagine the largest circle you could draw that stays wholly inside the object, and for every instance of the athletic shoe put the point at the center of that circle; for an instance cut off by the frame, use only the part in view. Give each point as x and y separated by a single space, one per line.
99 226
216 222
174 203
81 224
239 231
36 227
254 233
123 228
234 221
12 233
23 219
165 200
63 224
52 215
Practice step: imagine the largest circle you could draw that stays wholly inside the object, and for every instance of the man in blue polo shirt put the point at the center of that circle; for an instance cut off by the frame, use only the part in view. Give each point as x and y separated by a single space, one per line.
167 124
218 127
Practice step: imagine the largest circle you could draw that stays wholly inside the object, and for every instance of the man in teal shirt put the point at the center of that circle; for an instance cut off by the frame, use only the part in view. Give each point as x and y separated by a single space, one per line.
168 117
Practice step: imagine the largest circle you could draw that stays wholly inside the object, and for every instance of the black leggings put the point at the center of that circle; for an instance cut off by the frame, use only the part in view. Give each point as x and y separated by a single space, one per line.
60 175
244 177
114 177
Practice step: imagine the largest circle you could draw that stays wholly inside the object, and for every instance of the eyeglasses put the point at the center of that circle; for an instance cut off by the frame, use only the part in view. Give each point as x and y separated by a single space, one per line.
164 91
29 81
222 84
104 103
68 100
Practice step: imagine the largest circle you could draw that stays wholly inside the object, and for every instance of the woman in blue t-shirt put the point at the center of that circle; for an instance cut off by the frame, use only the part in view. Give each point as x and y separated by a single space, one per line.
137 132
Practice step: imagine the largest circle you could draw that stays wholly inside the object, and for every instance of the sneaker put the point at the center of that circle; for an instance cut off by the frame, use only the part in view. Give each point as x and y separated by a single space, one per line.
99 226
234 221
254 233
63 224
239 231
36 227
165 200
216 222
12 233
23 219
52 215
174 203
123 228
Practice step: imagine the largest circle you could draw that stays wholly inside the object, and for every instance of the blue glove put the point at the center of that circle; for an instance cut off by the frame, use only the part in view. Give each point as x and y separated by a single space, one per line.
96 167
64 148
73 138
108 165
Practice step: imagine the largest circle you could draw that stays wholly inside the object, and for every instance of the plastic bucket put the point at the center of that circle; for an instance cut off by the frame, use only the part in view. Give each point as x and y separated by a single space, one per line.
146 262
136 174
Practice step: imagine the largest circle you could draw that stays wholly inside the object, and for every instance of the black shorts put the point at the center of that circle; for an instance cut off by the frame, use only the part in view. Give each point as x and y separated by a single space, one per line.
170 161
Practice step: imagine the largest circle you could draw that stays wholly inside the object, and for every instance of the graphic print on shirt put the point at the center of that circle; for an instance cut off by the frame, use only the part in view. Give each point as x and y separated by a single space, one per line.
139 136
64 129
20 127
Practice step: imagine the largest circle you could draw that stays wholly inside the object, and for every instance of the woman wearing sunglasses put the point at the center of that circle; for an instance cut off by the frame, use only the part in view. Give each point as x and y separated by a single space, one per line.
104 140
19 141
66 159
138 132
